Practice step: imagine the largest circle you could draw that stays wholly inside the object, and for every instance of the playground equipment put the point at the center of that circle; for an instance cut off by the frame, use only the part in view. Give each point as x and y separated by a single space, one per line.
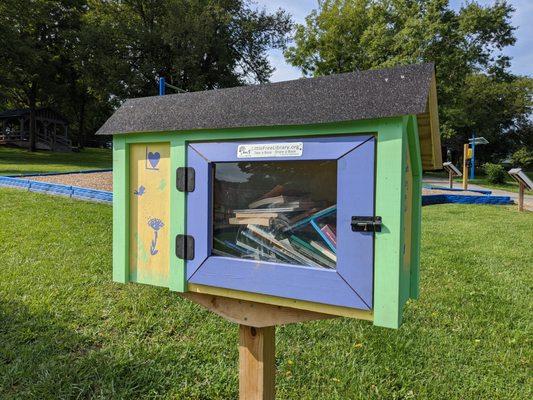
473 142
452 171
467 154
278 203
162 84
523 183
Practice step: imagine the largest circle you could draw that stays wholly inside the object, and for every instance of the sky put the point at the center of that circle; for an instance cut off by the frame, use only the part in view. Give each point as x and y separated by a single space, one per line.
521 52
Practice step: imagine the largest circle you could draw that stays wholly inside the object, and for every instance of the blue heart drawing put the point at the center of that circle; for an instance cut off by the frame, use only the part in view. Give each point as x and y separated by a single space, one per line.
153 158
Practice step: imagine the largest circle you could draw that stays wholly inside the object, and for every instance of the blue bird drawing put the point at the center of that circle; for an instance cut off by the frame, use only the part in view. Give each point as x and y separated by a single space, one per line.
139 192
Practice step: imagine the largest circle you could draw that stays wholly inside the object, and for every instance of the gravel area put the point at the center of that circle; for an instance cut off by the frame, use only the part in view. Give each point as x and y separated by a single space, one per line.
93 180
104 181
426 191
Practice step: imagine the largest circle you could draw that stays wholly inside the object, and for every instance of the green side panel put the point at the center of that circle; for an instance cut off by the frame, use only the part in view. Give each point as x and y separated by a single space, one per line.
177 276
120 210
388 250
405 267
416 168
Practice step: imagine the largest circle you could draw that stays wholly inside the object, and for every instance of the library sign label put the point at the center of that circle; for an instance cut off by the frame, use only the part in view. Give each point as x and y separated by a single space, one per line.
264 150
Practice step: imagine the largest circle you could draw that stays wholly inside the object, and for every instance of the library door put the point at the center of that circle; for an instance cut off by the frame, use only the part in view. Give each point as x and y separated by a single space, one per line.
274 217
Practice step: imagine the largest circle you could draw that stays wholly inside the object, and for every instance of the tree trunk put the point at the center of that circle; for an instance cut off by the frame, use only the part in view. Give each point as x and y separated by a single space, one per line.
81 125
33 122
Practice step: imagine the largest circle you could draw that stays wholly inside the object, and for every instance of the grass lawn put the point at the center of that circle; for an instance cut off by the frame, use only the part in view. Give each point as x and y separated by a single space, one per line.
67 331
14 161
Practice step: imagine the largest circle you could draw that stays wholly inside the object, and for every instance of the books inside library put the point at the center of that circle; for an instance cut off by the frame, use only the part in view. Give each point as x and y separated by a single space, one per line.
276 211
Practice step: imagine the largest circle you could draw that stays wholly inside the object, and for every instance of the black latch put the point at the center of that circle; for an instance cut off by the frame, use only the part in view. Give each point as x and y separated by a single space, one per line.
366 224
185 247
185 179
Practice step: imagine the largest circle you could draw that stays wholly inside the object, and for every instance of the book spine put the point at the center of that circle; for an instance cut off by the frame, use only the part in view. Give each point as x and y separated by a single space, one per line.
330 235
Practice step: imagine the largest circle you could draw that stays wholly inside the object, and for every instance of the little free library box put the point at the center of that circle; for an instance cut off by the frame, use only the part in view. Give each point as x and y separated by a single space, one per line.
303 194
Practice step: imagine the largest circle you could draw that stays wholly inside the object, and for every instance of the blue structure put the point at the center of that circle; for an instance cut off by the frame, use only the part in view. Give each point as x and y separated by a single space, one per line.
161 86
431 199
58 190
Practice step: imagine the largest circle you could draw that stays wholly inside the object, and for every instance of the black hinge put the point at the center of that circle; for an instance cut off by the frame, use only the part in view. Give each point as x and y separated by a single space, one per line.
185 247
185 179
366 224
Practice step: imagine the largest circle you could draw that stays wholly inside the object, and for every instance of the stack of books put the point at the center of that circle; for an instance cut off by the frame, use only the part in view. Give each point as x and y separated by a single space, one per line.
279 228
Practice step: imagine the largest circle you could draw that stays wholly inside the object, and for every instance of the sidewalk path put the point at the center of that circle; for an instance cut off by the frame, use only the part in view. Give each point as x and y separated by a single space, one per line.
528 199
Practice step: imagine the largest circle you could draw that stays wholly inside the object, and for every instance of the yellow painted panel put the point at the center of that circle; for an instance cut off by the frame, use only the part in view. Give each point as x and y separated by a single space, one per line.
281 301
149 213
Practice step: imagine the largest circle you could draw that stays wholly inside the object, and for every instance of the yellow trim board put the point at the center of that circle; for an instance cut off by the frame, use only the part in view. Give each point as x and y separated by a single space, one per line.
284 302
429 131
149 213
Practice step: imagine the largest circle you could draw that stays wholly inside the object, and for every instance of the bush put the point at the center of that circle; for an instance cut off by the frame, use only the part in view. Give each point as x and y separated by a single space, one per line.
495 173
522 158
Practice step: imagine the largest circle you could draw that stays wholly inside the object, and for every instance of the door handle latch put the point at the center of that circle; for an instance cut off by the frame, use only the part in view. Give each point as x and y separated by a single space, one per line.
366 224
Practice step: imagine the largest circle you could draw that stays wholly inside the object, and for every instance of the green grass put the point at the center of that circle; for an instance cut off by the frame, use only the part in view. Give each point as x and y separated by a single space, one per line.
14 161
67 331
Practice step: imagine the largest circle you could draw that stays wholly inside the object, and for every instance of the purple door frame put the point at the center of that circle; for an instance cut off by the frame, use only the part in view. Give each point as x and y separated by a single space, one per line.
350 285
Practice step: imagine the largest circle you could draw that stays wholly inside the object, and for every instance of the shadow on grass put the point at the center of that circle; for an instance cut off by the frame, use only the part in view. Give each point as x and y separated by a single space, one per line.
40 357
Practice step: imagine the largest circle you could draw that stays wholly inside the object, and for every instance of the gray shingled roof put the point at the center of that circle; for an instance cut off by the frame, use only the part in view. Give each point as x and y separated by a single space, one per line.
334 98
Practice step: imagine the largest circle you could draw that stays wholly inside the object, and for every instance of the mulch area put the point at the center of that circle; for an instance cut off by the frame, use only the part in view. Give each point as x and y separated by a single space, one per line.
104 181
93 180
426 191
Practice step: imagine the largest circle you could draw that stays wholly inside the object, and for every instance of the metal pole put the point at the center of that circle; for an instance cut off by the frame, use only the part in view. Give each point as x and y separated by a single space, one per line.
465 166
161 86
472 162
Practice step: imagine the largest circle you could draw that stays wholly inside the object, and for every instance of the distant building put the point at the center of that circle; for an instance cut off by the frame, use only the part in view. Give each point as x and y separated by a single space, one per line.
51 134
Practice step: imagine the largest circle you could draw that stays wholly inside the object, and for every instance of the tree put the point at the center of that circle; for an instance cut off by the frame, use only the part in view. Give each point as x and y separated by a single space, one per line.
33 33
195 44
84 57
476 91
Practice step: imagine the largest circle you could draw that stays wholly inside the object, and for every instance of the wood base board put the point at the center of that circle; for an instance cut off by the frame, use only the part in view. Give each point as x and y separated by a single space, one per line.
250 313
279 301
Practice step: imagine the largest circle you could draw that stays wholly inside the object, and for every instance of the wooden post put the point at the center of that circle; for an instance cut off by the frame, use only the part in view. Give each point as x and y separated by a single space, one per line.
257 369
465 166
257 332
450 177
521 188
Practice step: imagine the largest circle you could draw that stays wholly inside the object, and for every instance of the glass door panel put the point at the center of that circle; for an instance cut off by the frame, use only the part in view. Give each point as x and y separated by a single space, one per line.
277 211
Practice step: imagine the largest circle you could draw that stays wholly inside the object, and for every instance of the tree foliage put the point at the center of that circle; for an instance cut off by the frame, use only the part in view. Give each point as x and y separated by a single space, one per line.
34 38
476 91
83 57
